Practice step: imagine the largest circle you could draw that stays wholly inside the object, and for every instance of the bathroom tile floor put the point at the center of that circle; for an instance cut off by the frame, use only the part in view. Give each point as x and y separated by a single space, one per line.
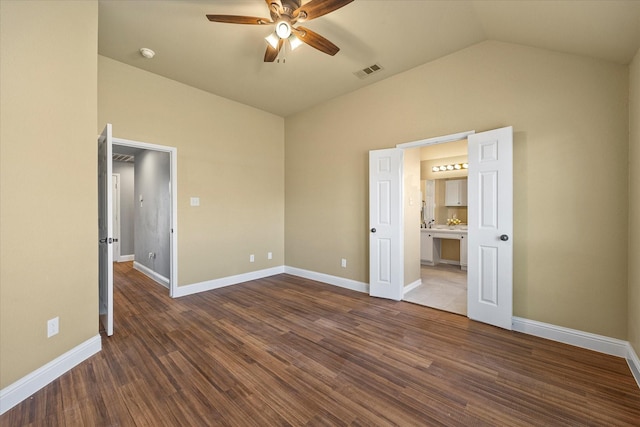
443 287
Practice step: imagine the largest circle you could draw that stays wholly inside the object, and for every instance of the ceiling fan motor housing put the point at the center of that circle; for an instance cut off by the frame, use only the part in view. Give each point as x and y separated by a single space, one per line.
288 7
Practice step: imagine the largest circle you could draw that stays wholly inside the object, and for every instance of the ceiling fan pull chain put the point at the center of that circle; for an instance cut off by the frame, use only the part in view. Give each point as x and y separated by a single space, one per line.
282 55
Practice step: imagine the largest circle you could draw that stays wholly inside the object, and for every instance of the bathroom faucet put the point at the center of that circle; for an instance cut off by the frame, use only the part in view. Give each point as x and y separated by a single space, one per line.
430 223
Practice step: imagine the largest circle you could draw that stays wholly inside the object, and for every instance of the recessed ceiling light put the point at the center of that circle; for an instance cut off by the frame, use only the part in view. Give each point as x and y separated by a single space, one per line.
147 53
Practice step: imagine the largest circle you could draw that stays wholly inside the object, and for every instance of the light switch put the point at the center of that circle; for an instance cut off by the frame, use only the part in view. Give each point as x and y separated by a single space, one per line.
195 201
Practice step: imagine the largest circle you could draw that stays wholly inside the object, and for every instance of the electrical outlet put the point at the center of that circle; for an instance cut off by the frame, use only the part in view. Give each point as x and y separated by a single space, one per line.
269 255
252 258
53 327
344 263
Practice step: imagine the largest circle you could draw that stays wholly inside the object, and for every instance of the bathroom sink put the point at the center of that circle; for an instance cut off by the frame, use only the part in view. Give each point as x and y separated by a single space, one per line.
447 228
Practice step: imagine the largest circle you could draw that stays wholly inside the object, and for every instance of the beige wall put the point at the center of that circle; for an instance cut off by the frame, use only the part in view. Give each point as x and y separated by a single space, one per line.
412 208
571 136
444 150
230 155
570 121
634 206
48 181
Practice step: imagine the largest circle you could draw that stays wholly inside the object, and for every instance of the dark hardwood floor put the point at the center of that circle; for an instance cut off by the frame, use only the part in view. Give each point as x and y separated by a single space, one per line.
290 351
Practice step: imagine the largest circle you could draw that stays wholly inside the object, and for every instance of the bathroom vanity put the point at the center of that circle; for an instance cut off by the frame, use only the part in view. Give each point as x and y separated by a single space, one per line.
431 244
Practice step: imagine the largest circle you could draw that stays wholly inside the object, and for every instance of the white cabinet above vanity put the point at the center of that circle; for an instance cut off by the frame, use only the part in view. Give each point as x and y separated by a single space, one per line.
455 192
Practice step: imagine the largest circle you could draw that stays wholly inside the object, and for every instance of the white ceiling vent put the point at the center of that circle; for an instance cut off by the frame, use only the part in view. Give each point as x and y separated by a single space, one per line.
366 72
123 158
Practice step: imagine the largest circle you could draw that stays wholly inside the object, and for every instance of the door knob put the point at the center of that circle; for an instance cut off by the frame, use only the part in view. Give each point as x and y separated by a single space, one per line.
373 230
504 237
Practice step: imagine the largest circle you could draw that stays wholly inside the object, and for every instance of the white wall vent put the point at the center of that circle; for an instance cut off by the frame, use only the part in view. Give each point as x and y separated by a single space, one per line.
366 72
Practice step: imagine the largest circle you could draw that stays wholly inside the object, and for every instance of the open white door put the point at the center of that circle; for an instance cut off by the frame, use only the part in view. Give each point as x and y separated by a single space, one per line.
386 268
105 227
490 219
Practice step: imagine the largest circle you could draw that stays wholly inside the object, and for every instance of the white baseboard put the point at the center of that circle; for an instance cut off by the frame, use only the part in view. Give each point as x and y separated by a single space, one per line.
411 287
15 393
328 279
126 258
599 343
209 285
634 363
151 274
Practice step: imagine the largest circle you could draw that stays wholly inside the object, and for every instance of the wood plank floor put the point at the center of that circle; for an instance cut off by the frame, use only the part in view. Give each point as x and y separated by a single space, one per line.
289 351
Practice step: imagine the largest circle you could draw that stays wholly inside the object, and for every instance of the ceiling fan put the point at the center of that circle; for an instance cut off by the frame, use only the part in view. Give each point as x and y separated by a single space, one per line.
284 15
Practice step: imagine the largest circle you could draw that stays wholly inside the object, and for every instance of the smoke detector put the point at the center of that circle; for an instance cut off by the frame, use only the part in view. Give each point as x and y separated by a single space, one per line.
147 53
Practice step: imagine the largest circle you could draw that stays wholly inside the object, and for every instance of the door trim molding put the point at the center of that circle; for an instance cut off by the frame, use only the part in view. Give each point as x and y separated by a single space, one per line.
116 203
436 140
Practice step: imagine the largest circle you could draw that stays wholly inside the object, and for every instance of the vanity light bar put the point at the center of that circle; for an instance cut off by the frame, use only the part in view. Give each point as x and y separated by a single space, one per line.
444 168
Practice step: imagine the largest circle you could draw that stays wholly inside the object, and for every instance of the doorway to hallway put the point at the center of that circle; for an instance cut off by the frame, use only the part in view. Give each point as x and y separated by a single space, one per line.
156 212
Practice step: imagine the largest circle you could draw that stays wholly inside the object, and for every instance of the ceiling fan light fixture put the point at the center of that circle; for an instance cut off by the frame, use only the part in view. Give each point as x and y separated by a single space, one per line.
273 40
294 42
283 29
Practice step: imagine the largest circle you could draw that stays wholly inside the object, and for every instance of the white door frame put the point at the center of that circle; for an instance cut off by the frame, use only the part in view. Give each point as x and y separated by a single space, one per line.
436 140
173 189
116 217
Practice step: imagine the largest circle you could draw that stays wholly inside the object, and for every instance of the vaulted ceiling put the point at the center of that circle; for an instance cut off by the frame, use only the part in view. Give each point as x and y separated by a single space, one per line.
227 59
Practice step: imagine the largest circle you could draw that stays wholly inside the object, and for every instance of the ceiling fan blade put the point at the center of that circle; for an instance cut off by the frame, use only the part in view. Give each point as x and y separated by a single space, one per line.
234 19
271 53
315 40
316 8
